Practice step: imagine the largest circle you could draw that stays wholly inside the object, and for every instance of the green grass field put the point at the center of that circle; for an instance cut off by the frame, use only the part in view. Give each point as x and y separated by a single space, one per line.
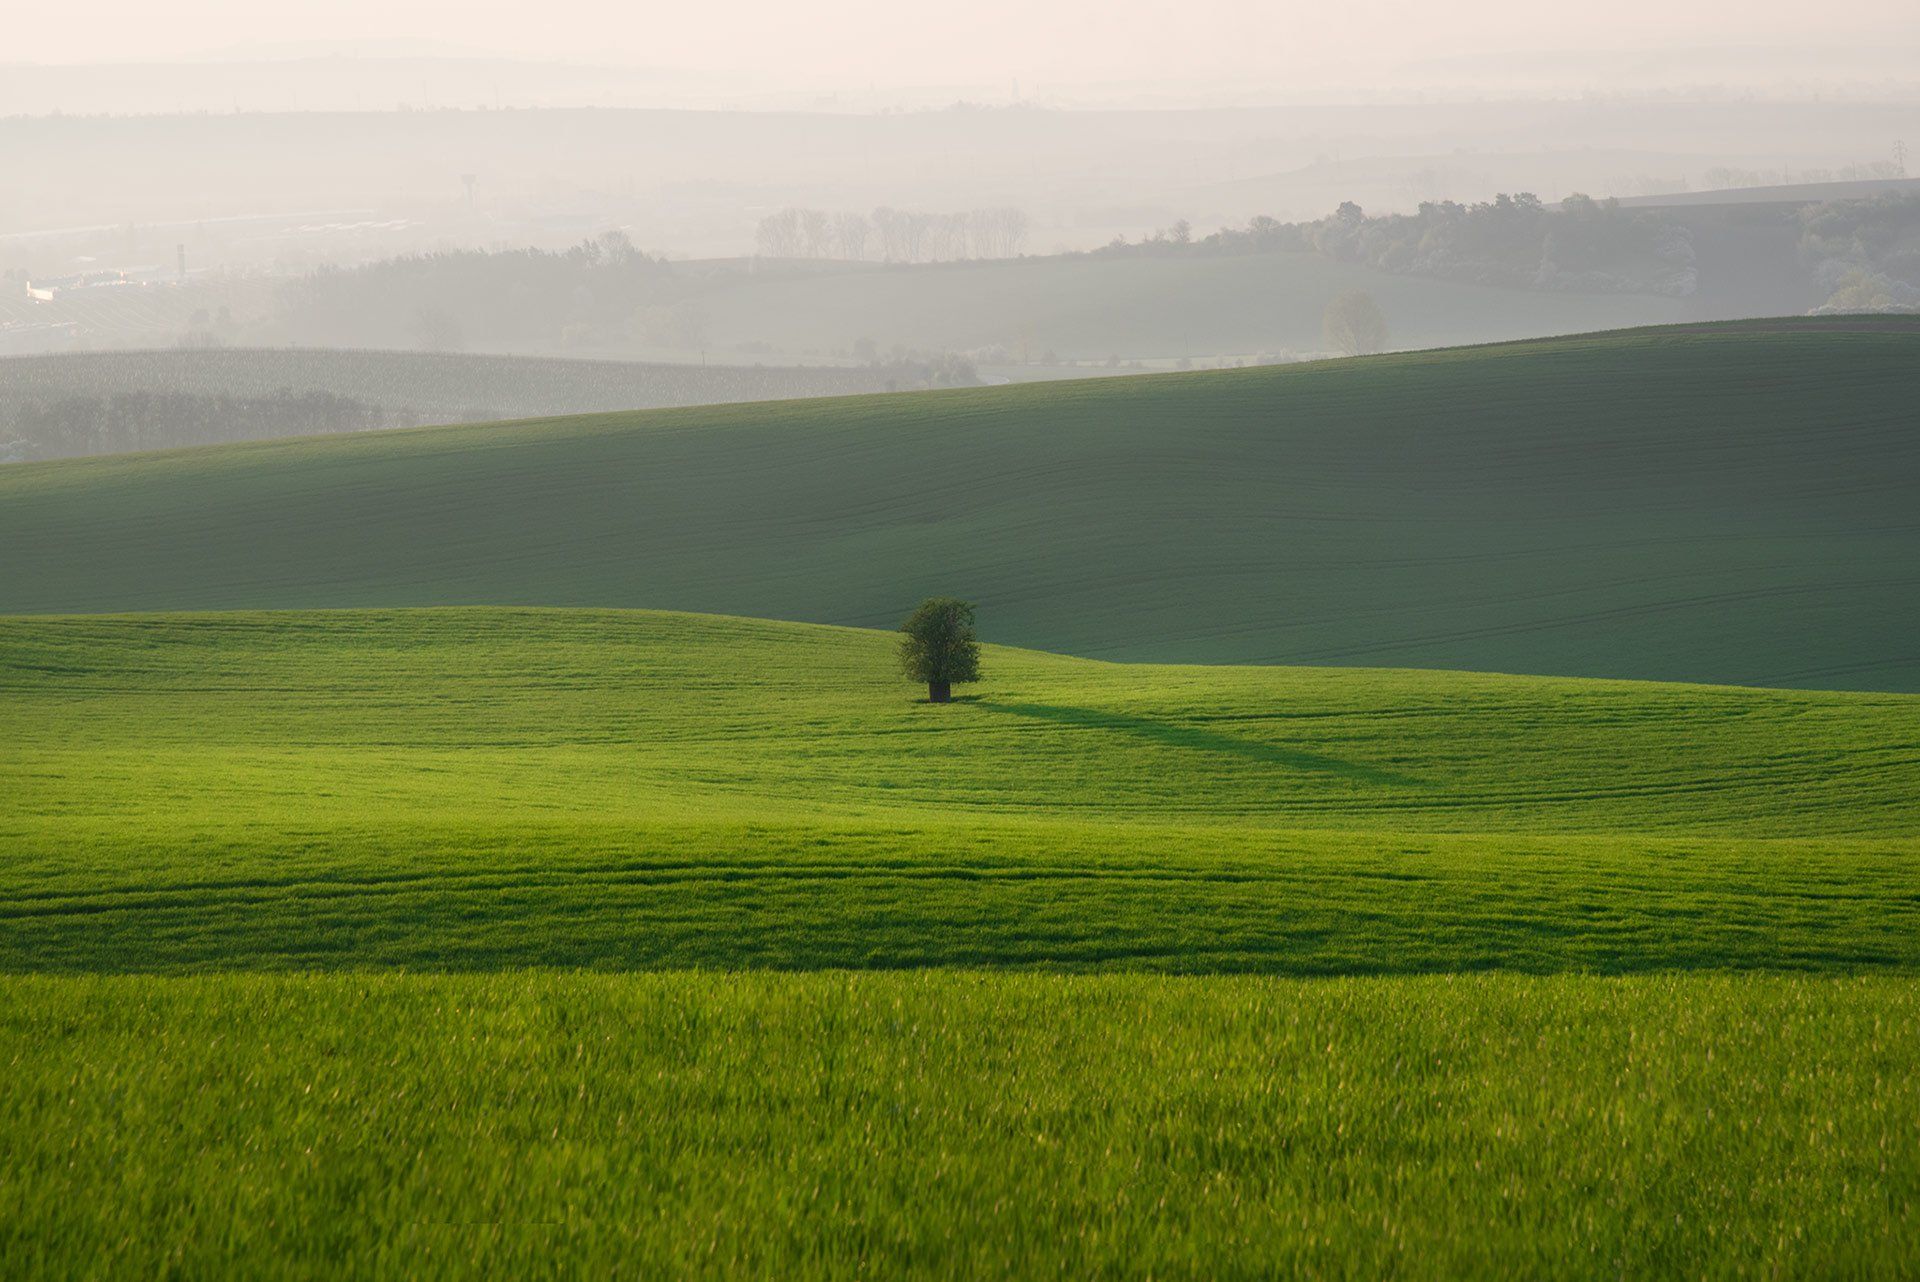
347 795
958 1126
499 939
473 789
1712 504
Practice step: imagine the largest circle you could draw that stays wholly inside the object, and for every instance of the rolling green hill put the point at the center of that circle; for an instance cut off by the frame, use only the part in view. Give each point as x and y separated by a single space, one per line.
1703 900
476 788
1715 504
360 797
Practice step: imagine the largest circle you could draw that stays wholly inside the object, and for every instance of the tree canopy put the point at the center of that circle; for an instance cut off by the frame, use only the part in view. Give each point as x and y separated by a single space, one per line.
937 645
1519 241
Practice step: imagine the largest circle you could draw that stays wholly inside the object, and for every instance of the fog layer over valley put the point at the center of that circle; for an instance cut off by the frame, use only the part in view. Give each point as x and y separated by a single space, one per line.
927 224
254 189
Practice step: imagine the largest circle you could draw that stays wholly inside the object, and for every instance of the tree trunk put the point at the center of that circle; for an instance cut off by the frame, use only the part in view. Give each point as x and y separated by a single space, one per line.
939 692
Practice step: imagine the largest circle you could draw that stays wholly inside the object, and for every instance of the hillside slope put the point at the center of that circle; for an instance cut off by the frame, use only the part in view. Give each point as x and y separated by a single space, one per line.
469 789
392 389
1729 505
1093 308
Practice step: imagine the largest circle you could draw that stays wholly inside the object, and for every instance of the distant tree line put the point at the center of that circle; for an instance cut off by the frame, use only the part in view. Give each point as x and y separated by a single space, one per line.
1727 176
602 293
65 406
451 300
125 421
918 371
892 235
1866 253
1581 245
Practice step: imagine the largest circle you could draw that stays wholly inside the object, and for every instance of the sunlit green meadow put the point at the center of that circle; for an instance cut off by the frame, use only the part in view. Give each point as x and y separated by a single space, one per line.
943 1124
468 943
469 789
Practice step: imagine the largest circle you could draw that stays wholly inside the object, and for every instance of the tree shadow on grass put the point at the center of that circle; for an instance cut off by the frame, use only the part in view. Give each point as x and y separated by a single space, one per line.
1203 740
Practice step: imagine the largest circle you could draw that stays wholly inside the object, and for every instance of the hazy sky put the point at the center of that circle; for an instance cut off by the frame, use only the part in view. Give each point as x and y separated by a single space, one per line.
1041 42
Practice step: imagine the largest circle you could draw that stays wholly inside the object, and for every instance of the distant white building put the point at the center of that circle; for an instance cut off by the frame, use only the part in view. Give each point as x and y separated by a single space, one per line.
46 291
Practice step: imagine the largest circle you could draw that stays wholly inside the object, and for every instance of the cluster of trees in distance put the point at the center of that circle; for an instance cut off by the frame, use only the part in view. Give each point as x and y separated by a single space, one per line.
892 235
604 297
1729 176
125 421
61 405
601 295
456 299
1867 252
1582 245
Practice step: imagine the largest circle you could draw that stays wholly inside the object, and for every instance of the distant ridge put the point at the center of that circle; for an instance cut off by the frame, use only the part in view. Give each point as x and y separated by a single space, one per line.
405 388
1786 194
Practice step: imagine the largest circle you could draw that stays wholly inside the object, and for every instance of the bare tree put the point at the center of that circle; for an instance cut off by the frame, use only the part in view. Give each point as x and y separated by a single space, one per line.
778 235
890 225
850 232
816 233
953 235
1014 224
918 231
1354 324
617 247
900 236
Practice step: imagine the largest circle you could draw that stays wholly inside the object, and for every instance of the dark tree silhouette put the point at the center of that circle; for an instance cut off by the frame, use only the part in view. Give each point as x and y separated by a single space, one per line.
937 646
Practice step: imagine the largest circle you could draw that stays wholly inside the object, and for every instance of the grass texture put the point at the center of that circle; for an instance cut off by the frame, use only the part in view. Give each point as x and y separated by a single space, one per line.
946 1125
477 943
472 789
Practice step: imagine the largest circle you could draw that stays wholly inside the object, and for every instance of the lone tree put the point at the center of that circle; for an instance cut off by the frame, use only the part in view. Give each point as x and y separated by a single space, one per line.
938 646
1354 325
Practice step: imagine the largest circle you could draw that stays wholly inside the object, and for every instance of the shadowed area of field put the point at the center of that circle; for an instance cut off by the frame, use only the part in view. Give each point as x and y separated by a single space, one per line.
1200 739
1718 505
